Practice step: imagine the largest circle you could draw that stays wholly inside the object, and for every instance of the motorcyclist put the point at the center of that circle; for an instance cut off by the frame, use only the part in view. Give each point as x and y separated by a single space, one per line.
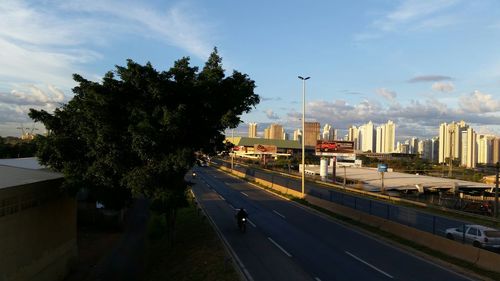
242 214
194 174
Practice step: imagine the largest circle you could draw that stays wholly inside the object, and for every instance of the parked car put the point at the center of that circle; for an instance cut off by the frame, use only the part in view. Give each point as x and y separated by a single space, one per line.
477 235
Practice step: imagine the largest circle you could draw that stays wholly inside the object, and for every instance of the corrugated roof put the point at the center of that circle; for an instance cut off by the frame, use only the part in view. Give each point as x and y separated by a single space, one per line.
13 176
245 141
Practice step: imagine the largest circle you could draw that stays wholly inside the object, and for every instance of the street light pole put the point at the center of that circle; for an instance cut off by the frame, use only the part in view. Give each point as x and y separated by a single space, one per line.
303 130
496 189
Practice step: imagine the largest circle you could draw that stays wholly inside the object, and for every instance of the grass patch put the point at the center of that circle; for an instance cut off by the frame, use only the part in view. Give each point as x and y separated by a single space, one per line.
197 253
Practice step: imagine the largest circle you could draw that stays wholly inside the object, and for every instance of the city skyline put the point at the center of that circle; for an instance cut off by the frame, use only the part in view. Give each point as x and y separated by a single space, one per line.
408 61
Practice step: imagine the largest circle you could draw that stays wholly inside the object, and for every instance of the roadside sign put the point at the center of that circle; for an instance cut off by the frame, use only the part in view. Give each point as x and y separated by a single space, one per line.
382 168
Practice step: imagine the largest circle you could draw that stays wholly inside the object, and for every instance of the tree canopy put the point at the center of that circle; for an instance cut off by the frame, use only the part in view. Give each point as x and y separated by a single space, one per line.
136 131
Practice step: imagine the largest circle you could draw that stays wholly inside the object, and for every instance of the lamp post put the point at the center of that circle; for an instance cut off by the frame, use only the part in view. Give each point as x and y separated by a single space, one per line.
303 129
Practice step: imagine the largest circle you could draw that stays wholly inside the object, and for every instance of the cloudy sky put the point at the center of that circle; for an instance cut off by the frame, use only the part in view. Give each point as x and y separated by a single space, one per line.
416 62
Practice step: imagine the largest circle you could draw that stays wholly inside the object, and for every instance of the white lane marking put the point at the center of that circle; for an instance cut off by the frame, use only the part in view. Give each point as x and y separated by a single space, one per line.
232 207
222 197
372 266
317 279
244 194
207 184
277 213
279 247
253 224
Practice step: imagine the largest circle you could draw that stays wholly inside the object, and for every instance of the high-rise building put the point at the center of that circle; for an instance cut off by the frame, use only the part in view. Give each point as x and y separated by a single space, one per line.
328 133
252 130
311 133
352 135
366 137
435 149
414 145
468 148
485 149
385 137
496 150
297 135
425 149
450 140
266 133
276 132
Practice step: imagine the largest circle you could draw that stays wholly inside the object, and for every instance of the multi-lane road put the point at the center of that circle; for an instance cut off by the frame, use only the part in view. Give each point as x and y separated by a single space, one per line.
285 241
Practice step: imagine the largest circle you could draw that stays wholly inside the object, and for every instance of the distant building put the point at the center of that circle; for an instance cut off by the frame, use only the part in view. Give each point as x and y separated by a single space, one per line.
385 137
451 141
311 133
297 135
366 137
496 150
328 133
352 135
252 130
276 132
485 149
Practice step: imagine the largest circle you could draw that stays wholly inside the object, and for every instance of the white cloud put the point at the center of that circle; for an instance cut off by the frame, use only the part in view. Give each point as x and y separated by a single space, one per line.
271 114
179 25
478 102
419 118
411 15
443 87
413 11
383 92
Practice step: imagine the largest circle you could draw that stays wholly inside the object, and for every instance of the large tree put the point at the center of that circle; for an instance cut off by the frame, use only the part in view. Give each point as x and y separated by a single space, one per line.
135 133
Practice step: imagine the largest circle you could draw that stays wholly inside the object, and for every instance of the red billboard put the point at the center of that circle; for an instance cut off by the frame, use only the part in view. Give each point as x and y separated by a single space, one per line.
334 147
265 149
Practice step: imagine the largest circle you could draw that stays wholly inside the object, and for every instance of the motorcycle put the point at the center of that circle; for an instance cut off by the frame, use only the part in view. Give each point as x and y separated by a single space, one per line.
194 175
242 225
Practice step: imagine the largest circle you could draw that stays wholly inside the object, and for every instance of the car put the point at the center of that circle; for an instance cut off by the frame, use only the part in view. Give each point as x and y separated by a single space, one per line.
477 235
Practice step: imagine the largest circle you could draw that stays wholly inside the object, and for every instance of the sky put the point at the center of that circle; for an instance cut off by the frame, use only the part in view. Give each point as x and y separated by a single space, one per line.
417 62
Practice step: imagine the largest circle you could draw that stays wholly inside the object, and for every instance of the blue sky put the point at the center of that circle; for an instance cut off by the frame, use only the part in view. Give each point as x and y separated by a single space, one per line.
416 62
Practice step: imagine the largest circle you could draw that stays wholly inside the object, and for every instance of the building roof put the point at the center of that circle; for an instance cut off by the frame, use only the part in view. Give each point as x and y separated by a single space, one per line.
245 141
14 176
28 163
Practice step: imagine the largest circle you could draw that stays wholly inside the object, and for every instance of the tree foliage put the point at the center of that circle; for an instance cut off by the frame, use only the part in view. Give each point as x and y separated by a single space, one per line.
135 133
16 148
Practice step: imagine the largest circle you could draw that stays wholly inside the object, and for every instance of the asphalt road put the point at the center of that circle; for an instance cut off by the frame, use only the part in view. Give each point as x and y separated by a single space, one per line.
285 241
413 218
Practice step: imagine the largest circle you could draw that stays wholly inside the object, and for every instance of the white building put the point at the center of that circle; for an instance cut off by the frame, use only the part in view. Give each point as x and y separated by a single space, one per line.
385 138
328 133
252 130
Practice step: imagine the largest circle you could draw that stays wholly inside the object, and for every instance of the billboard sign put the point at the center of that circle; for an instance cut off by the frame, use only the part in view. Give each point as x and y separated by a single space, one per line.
265 149
334 148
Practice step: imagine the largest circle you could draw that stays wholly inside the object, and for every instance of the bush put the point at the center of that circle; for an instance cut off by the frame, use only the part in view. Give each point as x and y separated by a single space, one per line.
157 226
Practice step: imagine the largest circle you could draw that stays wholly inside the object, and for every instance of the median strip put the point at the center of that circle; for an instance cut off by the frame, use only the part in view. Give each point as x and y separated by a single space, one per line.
370 265
279 247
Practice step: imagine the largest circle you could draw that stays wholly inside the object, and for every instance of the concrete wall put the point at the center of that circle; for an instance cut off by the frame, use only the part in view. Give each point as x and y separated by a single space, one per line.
37 232
481 258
